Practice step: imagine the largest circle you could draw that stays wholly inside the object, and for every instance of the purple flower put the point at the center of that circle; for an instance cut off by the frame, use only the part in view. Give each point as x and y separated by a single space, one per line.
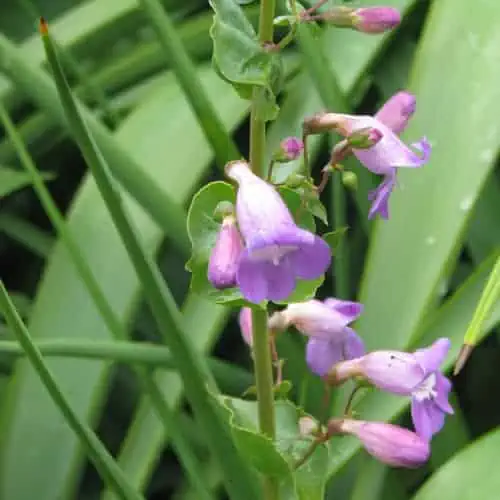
416 375
376 19
388 443
277 251
245 321
290 149
386 156
225 256
326 323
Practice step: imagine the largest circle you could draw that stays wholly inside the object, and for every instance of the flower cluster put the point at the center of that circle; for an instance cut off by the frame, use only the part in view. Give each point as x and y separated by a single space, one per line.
261 250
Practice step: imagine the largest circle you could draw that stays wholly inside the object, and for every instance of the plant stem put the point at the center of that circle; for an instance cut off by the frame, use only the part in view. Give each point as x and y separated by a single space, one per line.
260 331
264 383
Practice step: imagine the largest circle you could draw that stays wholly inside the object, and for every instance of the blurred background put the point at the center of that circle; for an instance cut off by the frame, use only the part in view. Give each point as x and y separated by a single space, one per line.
419 274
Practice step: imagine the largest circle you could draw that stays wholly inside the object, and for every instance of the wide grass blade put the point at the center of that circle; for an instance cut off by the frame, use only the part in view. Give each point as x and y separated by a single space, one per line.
142 186
110 318
102 460
192 369
175 53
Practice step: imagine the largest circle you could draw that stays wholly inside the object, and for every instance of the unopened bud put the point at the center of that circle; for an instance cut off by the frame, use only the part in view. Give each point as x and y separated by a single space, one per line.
245 322
375 19
225 255
290 149
364 138
350 180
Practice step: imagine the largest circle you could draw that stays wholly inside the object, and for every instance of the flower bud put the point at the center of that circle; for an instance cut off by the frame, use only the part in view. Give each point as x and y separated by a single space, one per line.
225 256
388 443
290 149
245 321
350 180
375 19
307 426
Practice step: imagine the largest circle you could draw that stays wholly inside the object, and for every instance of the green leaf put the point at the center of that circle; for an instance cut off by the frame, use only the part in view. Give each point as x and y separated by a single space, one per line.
333 238
308 481
470 475
12 180
241 60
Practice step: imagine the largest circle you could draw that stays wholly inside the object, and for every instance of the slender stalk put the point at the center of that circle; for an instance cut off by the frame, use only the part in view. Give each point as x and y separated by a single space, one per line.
103 461
260 331
341 265
178 57
109 317
229 377
192 368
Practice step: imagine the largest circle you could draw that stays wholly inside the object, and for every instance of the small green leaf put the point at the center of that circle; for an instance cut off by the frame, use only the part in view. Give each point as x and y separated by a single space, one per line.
11 180
333 238
308 481
203 228
241 60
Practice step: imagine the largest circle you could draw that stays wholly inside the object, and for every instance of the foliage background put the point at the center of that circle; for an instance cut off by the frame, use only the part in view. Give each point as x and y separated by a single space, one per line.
420 274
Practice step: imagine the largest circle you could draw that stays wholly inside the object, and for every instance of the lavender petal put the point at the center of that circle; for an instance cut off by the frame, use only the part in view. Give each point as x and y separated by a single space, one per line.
322 354
428 419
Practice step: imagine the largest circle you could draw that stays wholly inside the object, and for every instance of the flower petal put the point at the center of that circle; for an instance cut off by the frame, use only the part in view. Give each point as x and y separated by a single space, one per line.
251 279
380 196
322 354
354 347
397 111
443 388
430 358
427 417
351 310
312 257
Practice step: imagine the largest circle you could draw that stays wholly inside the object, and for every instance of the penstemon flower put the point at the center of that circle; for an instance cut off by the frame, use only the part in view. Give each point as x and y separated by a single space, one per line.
225 255
388 443
416 375
277 252
326 323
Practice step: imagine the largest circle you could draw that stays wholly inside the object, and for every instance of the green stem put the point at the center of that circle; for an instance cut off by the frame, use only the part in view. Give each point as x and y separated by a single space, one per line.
260 332
104 463
341 275
229 377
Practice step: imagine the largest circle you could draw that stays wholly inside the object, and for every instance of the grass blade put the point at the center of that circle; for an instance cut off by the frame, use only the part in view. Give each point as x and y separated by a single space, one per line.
167 214
222 144
104 463
192 369
108 315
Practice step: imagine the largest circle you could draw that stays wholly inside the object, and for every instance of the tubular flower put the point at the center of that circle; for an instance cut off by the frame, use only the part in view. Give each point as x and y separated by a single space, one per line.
326 323
225 256
277 251
416 375
388 443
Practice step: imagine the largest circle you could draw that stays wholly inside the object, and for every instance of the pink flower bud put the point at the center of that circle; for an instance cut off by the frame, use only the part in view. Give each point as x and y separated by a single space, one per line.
225 256
388 443
290 149
245 321
376 19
